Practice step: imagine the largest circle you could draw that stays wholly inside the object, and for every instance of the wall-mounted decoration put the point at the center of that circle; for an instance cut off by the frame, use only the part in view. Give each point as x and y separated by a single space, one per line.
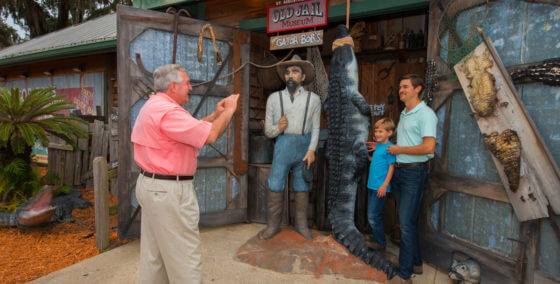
525 165
296 40
296 16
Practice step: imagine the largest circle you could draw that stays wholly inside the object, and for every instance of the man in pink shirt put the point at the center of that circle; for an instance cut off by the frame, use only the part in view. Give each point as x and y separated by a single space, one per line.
166 142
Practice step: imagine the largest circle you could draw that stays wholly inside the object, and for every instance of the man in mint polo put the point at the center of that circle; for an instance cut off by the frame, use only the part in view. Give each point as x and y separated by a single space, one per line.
416 142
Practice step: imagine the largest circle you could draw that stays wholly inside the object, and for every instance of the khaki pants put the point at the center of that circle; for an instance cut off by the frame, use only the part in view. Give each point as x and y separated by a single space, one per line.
170 250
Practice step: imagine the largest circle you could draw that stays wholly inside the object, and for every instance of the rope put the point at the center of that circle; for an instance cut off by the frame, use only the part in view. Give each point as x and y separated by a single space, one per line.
243 66
218 57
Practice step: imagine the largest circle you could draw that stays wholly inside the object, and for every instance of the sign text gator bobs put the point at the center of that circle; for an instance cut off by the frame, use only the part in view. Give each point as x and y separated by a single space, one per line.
300 15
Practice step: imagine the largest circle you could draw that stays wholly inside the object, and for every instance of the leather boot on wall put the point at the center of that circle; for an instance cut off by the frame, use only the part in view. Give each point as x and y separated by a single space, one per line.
273 215
302 200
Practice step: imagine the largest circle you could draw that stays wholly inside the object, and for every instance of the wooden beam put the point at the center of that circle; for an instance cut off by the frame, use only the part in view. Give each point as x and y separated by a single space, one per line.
553 224
445 90
438 248
447 87
218 218
216 91
61 146
446 127
479 188
542 174
551 2
101 204
528 248
542 277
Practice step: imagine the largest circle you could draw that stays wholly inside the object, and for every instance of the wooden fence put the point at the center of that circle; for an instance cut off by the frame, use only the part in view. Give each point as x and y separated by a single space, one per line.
74 167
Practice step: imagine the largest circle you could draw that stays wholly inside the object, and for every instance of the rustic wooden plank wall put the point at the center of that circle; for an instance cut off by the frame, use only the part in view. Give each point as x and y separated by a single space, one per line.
74 166
221 193
516 28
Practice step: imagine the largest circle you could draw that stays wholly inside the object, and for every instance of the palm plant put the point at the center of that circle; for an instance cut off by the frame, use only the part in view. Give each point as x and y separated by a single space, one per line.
22 122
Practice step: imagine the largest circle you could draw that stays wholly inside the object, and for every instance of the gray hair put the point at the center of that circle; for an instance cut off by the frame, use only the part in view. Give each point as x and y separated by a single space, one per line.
164 75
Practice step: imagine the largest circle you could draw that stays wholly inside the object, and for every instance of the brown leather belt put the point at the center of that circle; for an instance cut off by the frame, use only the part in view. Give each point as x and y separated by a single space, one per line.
166 177
403 165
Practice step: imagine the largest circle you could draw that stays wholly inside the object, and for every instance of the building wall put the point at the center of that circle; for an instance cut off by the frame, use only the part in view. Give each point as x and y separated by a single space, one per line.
82 79
522 33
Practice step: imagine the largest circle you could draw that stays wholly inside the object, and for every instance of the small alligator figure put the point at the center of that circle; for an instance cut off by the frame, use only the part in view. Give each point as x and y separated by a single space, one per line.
349 117
42 209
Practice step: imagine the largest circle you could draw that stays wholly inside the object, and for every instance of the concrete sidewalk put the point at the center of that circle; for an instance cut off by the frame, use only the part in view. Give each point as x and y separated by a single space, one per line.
219 247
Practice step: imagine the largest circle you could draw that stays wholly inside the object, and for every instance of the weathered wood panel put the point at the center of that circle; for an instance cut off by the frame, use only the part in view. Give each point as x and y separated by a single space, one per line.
101 195
489 190
465 218
150 34
468 155
538 177
549 249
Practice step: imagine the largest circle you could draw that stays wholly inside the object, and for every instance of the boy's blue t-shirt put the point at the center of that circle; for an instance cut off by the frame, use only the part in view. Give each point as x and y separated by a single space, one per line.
380 166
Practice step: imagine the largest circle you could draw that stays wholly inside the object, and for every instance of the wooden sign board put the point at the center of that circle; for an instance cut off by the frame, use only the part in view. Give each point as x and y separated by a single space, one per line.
296 40
539 180
296 16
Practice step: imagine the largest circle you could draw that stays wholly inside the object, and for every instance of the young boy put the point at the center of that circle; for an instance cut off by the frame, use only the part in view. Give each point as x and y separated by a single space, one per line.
379 180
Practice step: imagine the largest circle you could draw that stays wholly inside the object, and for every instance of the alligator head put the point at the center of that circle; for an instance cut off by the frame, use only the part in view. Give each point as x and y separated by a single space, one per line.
37 210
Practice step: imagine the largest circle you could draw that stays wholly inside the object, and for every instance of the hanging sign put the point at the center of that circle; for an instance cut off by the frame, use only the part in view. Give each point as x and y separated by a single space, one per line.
296 40
300 15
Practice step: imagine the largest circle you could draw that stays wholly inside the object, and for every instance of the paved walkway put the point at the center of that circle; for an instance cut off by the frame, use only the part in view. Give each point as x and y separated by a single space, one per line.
219 246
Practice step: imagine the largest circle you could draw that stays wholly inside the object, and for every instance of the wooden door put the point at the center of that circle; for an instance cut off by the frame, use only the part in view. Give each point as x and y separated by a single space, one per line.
146 40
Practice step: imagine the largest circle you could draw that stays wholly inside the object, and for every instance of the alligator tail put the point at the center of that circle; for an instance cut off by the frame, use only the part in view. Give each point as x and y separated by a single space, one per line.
8 219
345 232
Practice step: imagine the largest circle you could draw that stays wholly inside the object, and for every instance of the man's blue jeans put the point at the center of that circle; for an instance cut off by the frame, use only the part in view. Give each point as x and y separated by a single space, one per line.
408 185
375 216
289 150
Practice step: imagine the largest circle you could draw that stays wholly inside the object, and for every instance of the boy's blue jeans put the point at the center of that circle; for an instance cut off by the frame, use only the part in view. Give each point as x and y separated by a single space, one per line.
289 150
375 216
408 185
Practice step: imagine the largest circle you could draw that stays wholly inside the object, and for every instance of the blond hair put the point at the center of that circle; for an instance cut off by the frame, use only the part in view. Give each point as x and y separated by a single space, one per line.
385 123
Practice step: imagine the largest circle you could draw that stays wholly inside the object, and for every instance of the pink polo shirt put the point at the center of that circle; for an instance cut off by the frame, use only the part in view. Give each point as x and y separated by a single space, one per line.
167 138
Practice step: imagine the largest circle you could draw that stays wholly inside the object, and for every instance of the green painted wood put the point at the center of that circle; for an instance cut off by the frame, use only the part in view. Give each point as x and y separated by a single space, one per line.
99 47
154 4
366 8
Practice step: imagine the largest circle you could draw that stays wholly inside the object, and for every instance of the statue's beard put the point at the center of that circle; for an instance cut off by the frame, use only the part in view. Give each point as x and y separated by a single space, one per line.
292 86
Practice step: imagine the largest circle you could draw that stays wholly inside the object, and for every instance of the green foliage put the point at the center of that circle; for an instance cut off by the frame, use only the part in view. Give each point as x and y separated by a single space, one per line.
50 178
8 35
41 17
61 190
22 122
18 181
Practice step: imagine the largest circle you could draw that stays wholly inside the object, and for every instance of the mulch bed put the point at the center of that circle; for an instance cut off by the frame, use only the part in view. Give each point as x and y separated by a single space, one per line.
28 254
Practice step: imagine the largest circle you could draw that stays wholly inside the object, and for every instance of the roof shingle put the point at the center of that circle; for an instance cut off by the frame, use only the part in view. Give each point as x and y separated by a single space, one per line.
95 30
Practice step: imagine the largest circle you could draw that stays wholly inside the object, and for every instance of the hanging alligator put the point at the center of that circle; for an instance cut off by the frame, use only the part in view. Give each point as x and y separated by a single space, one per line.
43 209
348 116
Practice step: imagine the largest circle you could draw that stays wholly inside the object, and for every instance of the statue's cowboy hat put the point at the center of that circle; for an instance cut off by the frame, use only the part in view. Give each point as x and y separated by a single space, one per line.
305 65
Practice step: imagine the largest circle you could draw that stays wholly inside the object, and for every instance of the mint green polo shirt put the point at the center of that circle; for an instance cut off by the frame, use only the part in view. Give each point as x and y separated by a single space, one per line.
419 122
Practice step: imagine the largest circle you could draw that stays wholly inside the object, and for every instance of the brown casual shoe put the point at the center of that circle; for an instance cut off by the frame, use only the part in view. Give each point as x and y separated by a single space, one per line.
406 281
374 245
392 258
417 269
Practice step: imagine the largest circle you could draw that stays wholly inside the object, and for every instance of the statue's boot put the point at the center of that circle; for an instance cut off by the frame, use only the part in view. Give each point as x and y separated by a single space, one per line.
274 215
302 201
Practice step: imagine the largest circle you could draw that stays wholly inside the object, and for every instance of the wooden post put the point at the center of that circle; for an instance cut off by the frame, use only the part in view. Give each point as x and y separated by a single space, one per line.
348 14
101 192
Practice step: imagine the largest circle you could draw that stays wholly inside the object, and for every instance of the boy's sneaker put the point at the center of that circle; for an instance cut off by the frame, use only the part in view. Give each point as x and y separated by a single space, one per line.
417 269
